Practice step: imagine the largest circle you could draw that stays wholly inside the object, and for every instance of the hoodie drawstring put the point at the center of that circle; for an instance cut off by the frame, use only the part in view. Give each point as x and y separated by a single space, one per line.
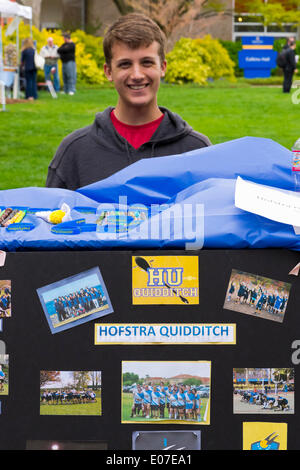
127 151
152 149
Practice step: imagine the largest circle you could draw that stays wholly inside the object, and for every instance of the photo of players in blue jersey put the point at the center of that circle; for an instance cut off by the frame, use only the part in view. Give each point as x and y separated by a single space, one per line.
163 397
5 299
77 303
70 393
257 296
75 300
264 391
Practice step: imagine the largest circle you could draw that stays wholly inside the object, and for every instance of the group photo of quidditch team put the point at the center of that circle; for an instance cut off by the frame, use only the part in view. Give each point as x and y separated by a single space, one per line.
173 402
78 303
256 295
67 397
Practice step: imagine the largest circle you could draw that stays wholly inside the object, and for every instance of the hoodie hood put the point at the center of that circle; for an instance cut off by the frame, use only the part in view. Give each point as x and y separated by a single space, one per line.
98 151
171 129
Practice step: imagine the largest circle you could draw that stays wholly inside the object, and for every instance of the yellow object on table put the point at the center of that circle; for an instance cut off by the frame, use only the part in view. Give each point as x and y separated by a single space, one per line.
57 216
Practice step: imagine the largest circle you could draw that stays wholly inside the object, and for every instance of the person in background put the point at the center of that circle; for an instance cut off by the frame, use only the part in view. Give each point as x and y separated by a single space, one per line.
50 54
290 64
67 55
27 62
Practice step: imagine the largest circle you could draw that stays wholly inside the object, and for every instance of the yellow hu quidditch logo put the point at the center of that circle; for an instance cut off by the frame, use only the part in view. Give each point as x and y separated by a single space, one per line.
264 436
165 280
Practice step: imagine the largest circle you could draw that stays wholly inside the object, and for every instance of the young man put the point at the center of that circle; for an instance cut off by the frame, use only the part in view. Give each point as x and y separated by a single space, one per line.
136 128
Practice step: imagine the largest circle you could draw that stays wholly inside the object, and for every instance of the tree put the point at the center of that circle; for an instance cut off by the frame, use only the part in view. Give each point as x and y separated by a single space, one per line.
96 379
49 376
192 381
284 375
123 6
130 378
81 379
274 12
171 14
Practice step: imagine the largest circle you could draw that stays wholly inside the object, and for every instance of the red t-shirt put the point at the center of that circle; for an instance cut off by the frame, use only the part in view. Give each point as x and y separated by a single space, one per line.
136 135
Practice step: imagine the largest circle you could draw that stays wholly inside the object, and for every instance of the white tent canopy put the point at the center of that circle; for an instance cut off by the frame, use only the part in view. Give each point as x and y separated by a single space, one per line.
9 9
18 12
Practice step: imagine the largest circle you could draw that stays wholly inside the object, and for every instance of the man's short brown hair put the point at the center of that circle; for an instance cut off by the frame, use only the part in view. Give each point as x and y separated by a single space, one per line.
134 30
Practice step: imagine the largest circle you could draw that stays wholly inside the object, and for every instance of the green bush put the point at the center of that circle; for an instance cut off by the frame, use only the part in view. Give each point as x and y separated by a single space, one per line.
89 54
221 66
197 60
233 49
185 63
93 45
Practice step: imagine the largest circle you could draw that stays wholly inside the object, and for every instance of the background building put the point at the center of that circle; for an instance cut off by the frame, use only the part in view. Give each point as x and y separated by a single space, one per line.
95 15
73 14
251 24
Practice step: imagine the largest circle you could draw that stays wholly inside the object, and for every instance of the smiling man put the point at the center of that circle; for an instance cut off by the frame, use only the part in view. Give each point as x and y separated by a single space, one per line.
134 49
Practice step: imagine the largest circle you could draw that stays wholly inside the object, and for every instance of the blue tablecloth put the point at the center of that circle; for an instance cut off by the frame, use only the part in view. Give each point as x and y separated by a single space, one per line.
167 187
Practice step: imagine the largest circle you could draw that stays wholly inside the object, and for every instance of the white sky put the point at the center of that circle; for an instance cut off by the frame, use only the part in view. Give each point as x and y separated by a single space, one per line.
88 281
66 378
166 369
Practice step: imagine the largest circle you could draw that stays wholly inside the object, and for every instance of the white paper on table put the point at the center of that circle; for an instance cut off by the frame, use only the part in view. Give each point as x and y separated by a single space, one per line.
273 203
296 230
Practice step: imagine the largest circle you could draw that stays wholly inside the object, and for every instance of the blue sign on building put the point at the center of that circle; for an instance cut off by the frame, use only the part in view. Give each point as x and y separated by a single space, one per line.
258 41
257 57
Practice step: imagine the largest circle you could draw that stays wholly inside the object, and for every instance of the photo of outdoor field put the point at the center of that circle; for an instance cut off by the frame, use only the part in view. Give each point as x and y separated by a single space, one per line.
166 392
257 296
70 393
5 299
4 374
263 391
74 300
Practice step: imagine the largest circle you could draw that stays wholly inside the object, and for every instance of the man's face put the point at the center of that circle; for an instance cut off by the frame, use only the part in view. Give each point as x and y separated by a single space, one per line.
136 73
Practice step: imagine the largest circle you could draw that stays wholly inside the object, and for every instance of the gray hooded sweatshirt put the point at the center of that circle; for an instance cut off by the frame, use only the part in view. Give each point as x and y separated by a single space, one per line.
98 151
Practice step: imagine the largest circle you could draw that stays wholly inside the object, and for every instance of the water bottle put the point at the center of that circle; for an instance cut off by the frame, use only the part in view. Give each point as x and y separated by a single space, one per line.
296 164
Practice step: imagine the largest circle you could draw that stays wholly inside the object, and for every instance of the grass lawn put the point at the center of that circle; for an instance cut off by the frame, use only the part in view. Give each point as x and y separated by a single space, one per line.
31 132
82 409
127 405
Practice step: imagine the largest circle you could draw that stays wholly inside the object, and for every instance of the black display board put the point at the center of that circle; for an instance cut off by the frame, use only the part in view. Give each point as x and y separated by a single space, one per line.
32 347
